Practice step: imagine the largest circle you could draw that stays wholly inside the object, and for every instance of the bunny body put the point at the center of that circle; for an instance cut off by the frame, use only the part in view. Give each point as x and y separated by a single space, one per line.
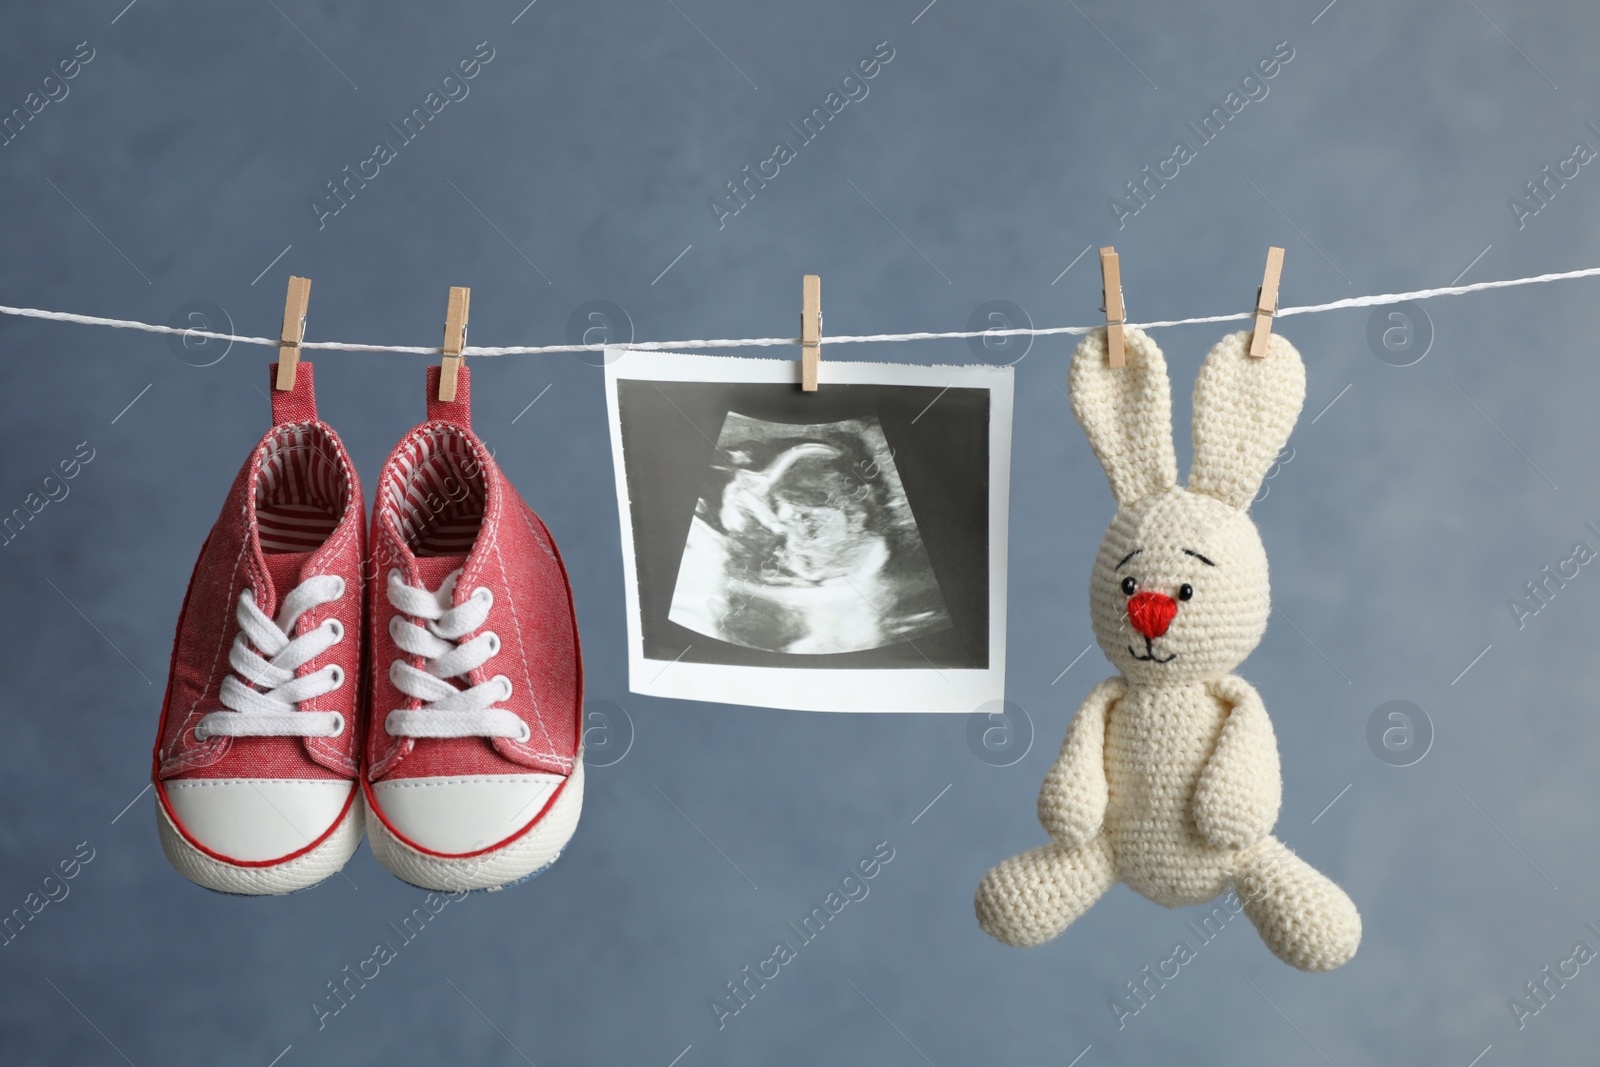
1155 751
1168 779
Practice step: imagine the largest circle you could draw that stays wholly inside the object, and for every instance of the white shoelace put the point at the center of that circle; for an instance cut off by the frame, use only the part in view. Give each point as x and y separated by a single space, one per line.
448 711
273 708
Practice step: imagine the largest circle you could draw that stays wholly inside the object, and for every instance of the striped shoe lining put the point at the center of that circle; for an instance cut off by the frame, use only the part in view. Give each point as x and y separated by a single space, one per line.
301 491
435 487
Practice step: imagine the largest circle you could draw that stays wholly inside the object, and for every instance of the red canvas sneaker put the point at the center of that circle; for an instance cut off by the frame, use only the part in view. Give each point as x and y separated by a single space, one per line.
474 770
256 764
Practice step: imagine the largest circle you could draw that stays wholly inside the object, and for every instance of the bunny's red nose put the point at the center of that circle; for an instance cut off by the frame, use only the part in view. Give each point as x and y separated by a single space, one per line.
1151 613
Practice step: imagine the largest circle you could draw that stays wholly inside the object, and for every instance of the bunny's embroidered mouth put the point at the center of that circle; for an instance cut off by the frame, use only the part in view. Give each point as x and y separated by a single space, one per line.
1150 654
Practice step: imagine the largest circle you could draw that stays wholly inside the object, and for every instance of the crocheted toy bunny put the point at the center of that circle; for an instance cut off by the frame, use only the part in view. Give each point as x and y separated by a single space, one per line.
1168 778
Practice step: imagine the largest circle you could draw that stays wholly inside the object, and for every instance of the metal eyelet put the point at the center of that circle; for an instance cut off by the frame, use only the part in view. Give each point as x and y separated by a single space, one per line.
340 593
483 593
494 642
526 733
505 684
337 629
337 676
339 729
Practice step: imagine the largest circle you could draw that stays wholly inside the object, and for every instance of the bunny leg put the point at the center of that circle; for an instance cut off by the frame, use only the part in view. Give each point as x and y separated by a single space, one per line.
1033 896
1306 920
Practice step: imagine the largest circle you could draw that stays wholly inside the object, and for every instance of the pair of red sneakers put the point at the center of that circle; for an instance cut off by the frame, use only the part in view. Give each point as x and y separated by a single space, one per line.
423 684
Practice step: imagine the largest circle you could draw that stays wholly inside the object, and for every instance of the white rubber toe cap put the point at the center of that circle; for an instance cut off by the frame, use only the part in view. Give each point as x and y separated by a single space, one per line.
463 813
257 820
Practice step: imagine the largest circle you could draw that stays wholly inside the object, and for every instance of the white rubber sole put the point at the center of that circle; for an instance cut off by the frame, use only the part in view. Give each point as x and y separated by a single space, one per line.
518 860
290 876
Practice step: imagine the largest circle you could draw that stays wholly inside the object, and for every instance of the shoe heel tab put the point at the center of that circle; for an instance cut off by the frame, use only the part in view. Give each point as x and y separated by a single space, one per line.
457 411
293 405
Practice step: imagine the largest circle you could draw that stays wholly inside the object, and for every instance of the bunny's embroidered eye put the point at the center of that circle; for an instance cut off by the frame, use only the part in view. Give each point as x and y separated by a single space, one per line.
1129 585
1185 591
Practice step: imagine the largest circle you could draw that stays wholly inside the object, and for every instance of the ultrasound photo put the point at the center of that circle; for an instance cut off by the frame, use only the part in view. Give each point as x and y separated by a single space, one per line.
806 544
842 550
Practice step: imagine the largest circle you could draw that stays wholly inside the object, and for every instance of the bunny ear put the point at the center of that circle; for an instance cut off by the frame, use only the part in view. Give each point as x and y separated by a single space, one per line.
1244 410
1127 413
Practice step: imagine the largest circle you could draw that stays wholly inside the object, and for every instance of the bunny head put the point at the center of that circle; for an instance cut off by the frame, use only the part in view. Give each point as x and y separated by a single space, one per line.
1179 591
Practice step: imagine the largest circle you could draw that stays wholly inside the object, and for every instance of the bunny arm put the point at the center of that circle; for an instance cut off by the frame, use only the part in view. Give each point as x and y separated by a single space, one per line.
1237 798
1072 800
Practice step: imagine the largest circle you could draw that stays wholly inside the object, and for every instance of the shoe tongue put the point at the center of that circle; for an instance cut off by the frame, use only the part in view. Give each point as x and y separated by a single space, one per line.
284 570
433 570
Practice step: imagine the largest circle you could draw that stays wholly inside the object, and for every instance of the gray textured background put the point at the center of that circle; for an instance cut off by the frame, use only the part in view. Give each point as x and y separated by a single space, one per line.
185 159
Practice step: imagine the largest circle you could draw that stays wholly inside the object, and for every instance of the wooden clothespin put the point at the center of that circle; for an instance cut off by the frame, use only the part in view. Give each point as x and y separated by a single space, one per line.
1266 302
455 339
1111 283
810 331
294 331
